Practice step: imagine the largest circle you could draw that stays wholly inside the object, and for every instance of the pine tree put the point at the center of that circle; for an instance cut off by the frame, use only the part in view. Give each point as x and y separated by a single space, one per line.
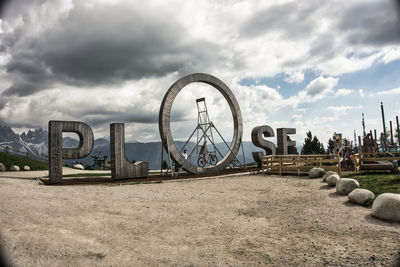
312 145
331 145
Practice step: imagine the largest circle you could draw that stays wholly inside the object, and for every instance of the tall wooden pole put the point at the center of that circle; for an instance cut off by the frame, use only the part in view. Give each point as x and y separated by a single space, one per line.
384 128
398 130
391 134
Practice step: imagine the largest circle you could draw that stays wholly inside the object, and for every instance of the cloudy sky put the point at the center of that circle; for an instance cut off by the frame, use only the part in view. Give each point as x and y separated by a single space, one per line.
312 65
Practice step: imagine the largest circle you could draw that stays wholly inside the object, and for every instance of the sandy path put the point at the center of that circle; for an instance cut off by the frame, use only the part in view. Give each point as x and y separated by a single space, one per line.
35 174
244 220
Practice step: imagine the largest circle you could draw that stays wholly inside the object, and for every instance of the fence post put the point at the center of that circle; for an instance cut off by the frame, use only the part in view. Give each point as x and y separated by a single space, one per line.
6 149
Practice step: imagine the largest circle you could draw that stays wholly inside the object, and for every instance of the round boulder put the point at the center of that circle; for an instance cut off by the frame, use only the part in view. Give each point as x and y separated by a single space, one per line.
361 196
327 174
14 168
316 172
332 179
387 207
78 166
345 185
2 167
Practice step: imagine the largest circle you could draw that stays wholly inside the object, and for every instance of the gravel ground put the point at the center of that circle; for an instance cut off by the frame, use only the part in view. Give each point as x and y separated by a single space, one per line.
241 220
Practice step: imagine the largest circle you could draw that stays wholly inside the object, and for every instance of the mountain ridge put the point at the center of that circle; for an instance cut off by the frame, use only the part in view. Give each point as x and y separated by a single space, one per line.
36 142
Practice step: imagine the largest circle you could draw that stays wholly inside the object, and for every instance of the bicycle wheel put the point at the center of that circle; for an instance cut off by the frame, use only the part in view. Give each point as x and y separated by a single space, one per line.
201 162
213 160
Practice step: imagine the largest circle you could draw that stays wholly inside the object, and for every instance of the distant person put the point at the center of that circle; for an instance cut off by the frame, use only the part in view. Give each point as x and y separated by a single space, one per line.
203 149
185 155
352 157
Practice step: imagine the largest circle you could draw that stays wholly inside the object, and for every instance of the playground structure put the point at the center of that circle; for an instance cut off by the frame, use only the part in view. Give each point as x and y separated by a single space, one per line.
370 142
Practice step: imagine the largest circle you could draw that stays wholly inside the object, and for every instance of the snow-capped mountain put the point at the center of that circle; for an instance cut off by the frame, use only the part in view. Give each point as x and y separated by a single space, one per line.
34 141
14 141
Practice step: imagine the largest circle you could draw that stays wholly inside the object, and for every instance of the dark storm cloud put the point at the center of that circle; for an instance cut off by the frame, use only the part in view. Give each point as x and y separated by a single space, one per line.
373 23
292 19
103 45
3 4
137 115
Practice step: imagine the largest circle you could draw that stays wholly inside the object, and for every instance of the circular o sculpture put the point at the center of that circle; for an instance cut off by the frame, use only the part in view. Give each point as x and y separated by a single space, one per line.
165 128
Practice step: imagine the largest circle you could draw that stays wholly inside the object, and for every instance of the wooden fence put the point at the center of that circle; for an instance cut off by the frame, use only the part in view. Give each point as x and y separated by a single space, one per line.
375 161
299 164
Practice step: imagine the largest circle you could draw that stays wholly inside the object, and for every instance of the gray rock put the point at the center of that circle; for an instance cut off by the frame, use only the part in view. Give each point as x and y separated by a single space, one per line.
327 174
387 207
78 166
27 168
332 179
361 196
316 172
345 185
14 168
2 167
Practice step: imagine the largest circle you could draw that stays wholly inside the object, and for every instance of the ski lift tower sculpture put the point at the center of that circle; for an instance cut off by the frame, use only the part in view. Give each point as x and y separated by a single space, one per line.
208 160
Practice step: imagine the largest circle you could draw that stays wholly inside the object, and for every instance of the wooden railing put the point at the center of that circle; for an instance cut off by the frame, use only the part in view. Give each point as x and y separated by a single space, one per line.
299 164
375 161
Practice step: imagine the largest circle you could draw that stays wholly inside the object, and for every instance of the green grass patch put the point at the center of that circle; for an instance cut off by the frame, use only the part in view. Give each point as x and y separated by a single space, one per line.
378 183
8 160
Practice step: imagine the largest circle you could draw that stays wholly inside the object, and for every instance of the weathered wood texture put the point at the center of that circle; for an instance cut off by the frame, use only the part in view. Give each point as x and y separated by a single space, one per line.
258 140
299 164
284 140
121 168
375 161
57 153
165 129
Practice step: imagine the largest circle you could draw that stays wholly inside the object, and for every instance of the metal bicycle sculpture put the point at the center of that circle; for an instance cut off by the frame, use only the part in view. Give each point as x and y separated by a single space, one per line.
208 158
165 128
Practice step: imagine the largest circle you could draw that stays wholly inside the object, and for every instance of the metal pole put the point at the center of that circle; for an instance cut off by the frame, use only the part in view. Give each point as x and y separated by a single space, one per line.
391 135
363 125
360 150
244 159
162 157
355 139
373 143
398 130
376 140
384 127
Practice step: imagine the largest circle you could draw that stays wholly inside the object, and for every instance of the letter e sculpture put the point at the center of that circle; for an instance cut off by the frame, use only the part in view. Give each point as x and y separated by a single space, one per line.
284 140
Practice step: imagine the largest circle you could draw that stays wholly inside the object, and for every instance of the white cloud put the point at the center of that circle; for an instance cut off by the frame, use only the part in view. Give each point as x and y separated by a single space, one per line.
294 77
343 92
342 110
361 92
394 91
321 86
232 40
390 54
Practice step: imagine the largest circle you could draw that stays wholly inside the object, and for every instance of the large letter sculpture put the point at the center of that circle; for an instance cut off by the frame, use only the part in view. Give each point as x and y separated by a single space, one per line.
165 128
121 168
258 140
284 140
57 153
